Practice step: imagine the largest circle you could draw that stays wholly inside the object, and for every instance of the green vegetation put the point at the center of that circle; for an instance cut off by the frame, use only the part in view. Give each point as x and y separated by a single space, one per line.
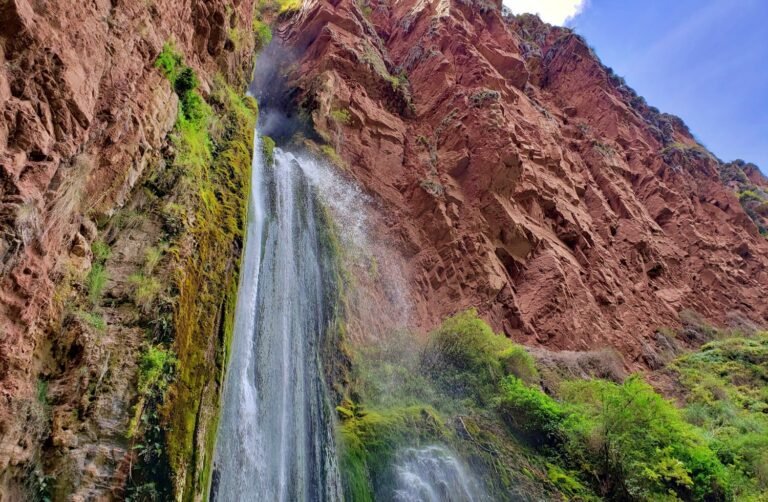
187 284
593 439
637 444
97 277
434 188
95 281
372 438
263 33
209 177
483 96
156 370
341 116
146 291
727 395
42 392
331 154
289 5
92 319
403 393
268 150
100 251
462 358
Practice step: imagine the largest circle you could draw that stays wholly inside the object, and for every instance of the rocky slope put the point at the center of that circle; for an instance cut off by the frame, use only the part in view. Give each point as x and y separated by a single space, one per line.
85 122
519 175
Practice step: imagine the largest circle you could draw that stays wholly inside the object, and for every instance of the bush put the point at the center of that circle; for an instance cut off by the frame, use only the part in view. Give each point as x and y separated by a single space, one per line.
637 444
185 82
462 357
100 251
726 395
516 361
531 414
169 61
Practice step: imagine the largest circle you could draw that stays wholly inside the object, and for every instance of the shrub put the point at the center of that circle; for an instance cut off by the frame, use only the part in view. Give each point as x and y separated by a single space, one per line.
462 357
516 361
169 61
92 319
531 414
637 444
185 81
726 395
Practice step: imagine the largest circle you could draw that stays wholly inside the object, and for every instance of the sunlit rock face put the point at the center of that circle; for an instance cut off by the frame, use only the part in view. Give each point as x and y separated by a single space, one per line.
517 174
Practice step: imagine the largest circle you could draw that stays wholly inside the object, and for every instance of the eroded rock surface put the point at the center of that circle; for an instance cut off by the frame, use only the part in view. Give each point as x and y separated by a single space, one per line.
519 175
83 114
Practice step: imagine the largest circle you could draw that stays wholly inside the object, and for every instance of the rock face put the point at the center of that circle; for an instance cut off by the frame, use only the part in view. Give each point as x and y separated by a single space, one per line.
519 175
83 114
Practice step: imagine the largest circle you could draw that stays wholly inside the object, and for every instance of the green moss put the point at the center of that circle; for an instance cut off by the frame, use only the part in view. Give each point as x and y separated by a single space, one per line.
369 439
205 184
220 183
268 150
289 5
262 32
331 154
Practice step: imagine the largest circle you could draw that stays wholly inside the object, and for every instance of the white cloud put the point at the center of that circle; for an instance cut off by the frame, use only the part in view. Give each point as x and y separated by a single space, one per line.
550 11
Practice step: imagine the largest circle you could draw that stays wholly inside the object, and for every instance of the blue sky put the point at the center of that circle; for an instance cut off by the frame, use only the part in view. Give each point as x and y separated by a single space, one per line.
703 60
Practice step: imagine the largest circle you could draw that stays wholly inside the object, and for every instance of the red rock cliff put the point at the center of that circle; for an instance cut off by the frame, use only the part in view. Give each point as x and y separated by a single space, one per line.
83 114
521 176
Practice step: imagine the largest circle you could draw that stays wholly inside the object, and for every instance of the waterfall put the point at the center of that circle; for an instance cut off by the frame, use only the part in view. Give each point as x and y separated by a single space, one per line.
433 474
275 440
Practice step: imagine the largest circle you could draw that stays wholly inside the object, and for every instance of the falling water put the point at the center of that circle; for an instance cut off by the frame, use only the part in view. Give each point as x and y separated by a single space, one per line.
434 474
275 440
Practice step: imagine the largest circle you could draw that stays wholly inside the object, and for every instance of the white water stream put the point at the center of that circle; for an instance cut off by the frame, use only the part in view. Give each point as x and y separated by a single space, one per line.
275 440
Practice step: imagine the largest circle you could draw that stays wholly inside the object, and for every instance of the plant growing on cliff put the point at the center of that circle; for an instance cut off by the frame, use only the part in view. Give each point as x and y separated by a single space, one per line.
208 176
341 116
262 32
95 281
268 150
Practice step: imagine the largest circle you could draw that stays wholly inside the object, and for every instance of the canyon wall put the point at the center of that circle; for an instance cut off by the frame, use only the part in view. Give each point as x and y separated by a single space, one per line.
513 172
519 175
84 235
